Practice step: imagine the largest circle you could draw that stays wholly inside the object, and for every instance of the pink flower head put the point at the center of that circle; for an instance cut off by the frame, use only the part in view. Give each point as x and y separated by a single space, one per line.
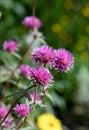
24 69
40 75
10 45
64 60
8 122
3 111
35 96
43 55
22 110
32 22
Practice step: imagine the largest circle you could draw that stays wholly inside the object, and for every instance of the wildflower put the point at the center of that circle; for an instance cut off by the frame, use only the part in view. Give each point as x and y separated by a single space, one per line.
67 38
22 110
65 19
32 22
3 111
43 55
10 45
68 4
80 46
24 69
40 75
87 29
48 122
34 96
84 55
56 28
85 10
63 60
8 122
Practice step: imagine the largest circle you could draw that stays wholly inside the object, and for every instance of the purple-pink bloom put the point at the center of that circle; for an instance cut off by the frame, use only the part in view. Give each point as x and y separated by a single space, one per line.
34 96
3 111
8 122
22 110
24 69
40 75
10 45
43 55
64 60
32 22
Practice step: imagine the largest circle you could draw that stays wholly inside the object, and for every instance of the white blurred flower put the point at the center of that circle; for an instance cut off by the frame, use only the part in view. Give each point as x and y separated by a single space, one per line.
82 94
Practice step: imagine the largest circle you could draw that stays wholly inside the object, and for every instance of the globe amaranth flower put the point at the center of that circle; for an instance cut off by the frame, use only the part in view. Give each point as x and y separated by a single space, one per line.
10 45
32 22
34 96
64 60
40 75
24 69
43 55
3 111
22 110
8 122
48 121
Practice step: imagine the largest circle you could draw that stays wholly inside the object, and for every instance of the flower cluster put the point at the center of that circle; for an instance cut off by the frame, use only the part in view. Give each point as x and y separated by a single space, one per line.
45 57
60 59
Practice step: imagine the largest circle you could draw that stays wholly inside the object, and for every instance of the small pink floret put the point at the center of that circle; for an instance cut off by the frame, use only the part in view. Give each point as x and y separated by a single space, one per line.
32 22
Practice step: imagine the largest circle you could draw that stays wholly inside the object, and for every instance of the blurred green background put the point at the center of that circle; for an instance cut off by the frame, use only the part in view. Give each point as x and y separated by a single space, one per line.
65 24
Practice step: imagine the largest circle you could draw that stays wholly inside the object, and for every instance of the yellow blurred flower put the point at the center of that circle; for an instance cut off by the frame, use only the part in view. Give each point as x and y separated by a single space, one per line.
64 19
83 39
80 46
87 4
85 10
48 121
66 37
56 28
84 55
68 4
87 29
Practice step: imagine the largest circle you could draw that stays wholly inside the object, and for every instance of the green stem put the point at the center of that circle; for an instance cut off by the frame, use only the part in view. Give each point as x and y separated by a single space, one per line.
34 8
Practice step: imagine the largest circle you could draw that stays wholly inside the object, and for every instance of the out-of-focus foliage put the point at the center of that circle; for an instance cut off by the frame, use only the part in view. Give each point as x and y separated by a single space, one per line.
65 25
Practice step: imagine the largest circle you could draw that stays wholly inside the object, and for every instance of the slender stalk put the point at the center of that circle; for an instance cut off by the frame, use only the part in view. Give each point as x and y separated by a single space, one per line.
9 57
35 92
34 8
20 124
33 12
